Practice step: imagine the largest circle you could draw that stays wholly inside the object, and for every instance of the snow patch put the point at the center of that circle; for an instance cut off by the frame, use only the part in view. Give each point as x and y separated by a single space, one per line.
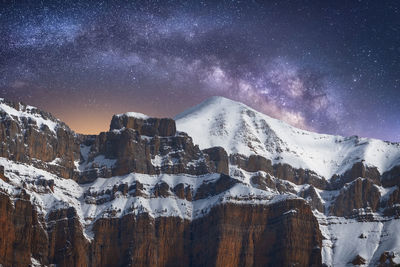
134 115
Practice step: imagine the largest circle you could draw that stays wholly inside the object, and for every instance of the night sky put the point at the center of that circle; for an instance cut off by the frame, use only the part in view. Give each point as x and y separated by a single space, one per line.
325 66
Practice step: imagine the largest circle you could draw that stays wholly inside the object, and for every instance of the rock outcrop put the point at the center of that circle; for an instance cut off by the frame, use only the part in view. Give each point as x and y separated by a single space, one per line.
144 125
67 243
218 158
268 182
299 176
359 194
252 163
313 198
260 244
386 259
358 260
18 229
391 177
255 163
2 177
224 183
125 151
359 169
26 136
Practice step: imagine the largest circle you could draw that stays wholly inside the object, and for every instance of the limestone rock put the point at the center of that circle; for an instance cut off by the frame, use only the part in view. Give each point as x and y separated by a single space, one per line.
360 194
386 259
2 177
231 235
24 235
125 151
183 192
313 198
358 260
161 190
391 177
255 163
299 176
358 170
27 141
67 244
219 158
214 188
265 182
145 126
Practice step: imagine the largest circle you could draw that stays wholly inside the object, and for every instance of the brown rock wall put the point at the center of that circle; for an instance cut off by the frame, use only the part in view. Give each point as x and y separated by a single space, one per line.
360 194
148 127
22 140
24 234
281 234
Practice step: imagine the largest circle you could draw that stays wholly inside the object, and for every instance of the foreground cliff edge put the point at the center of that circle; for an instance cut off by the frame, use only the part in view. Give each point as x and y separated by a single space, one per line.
253 192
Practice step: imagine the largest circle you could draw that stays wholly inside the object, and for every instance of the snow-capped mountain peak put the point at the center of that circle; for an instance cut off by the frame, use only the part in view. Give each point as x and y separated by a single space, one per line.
219 121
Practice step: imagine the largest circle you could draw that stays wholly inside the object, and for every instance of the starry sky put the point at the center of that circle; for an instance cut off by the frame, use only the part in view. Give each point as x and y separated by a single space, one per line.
325 66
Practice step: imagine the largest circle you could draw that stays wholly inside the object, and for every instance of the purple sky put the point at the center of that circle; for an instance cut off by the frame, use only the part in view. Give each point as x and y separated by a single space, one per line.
326 67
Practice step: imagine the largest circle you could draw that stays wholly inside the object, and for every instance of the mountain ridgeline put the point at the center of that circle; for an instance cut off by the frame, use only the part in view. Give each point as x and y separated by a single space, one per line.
219 185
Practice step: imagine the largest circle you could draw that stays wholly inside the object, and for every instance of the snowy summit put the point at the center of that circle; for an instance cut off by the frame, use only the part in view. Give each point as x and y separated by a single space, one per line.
219 121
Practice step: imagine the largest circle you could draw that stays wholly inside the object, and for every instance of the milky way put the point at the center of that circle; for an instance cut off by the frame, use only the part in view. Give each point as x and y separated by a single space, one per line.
331 68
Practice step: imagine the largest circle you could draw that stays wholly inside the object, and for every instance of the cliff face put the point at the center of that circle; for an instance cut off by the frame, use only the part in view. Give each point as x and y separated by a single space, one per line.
17 231
360 194
257 236
144 125
282 234
286 172
35 137
66 242
58 239
151 146
141 145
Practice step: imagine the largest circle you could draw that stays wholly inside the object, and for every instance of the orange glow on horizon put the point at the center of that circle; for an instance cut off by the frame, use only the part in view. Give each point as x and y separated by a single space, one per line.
92 122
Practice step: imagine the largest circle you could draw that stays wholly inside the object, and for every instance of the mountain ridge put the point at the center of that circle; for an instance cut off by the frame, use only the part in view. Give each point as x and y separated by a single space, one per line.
231 124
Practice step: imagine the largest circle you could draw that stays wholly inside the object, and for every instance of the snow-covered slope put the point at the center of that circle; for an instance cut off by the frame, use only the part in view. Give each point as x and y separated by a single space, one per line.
240 129
345 238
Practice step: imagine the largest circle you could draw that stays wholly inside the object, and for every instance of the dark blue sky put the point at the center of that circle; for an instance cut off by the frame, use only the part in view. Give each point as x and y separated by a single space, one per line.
327 67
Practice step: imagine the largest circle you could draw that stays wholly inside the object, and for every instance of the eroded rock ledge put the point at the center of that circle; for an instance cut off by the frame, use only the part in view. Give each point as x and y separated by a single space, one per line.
282 234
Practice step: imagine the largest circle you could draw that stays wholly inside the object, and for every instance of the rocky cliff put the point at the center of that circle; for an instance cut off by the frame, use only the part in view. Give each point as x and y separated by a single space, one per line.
230 235
35 137
284 234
